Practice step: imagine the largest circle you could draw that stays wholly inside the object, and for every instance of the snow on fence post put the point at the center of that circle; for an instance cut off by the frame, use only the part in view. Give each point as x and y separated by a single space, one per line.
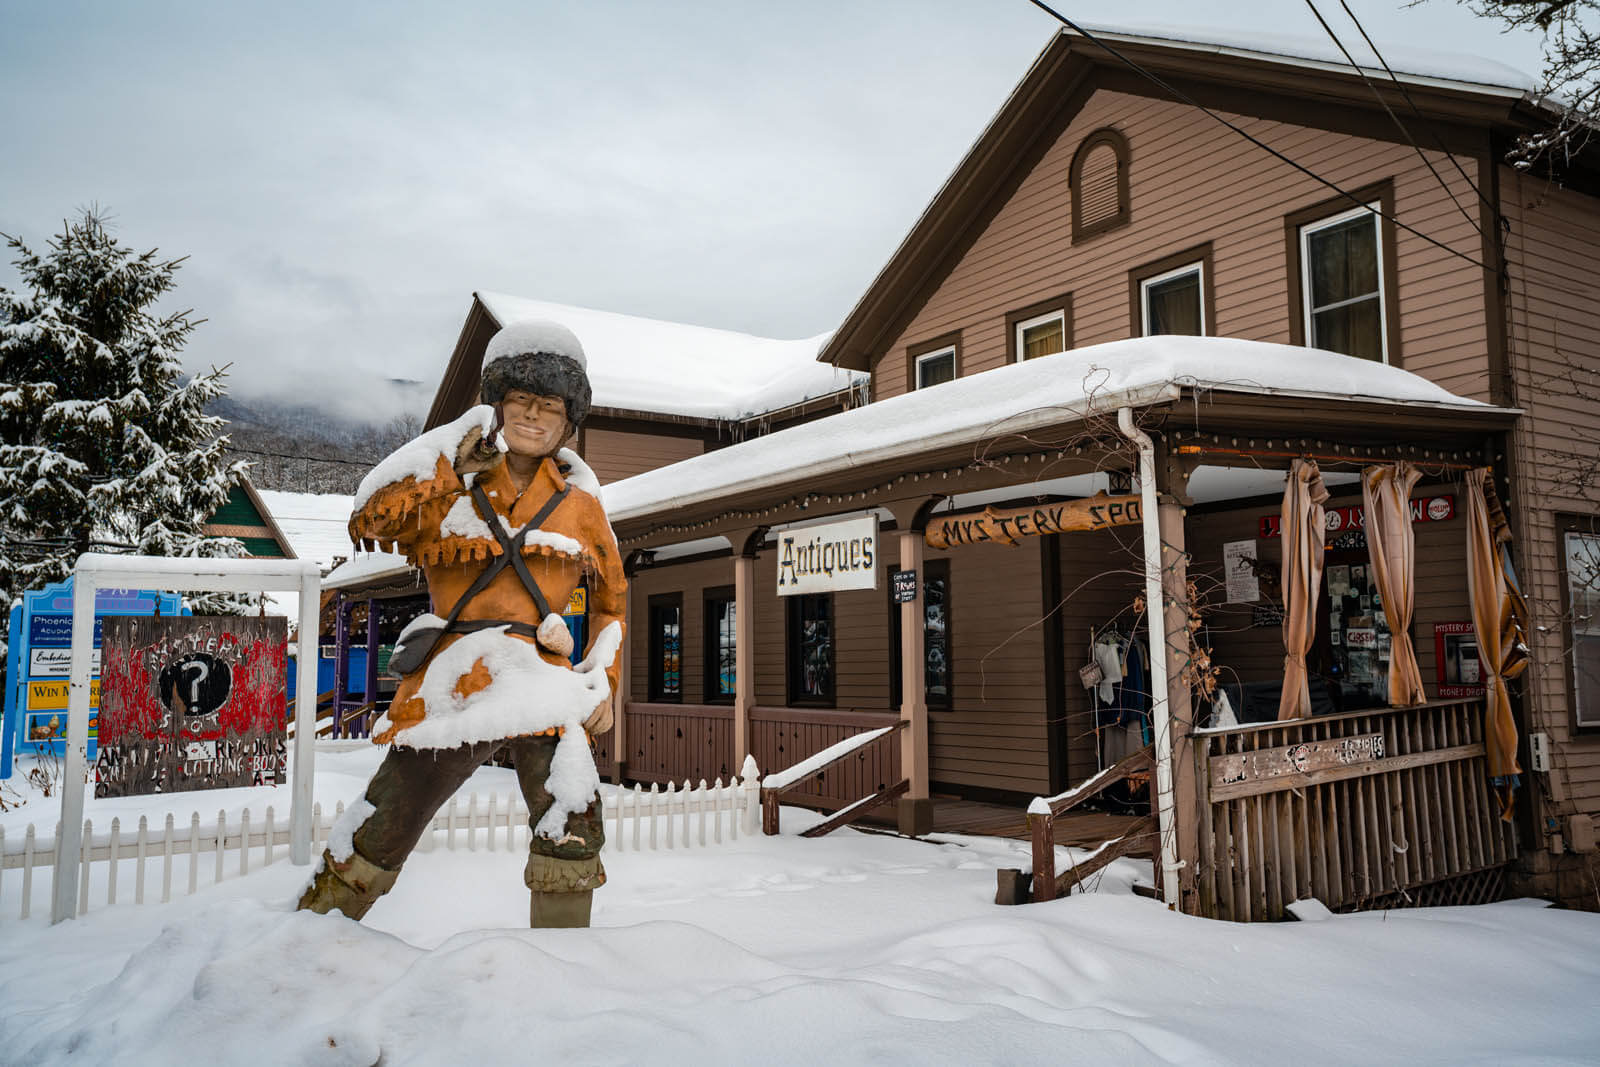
244 842
29 844
222 842
638 803
142 850
168 837
489 844
194 850
83 888
111 875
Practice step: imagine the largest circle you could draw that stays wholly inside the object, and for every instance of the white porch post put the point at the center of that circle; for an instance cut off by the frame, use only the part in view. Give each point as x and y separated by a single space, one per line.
916 807
744 640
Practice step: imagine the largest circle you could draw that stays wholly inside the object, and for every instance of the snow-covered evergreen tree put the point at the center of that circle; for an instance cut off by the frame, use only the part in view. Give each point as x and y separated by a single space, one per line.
104 446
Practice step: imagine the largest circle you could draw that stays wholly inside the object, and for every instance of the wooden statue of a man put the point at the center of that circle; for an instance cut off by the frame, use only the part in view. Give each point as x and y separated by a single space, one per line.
504 523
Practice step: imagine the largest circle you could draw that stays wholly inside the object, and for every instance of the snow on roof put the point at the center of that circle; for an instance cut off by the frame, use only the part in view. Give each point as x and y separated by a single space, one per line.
365 566
1018 398
648 365
1418 63
314 523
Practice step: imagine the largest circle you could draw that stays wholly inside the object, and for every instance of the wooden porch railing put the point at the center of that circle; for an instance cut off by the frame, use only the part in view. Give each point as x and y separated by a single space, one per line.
1356 809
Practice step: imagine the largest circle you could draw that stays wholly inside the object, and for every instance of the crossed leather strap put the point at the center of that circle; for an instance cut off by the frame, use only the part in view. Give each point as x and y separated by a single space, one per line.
511 556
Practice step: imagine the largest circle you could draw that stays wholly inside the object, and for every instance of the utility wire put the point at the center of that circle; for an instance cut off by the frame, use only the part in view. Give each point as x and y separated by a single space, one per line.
1182 97
1495 208
314 459
1334 37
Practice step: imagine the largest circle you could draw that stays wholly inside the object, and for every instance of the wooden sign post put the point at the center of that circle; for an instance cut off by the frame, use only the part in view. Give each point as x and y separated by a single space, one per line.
1004 526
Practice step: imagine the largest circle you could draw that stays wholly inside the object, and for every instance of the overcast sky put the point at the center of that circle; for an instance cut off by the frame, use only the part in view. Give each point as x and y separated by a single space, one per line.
342 176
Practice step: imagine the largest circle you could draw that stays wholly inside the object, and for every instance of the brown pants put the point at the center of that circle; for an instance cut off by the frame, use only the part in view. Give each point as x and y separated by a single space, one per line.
412 783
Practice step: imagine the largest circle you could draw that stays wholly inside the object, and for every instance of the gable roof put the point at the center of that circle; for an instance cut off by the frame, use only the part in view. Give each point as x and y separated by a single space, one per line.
245 516
1274 76
650 367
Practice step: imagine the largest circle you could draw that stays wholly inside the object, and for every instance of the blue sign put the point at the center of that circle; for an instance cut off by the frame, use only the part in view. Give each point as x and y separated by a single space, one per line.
41 629
55 631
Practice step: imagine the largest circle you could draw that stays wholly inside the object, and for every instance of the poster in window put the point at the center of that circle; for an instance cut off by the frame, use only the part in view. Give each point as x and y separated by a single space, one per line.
1455 653
192 702
1239 566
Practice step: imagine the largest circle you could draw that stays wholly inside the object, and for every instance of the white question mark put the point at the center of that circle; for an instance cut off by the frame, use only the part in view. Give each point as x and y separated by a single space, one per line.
199 678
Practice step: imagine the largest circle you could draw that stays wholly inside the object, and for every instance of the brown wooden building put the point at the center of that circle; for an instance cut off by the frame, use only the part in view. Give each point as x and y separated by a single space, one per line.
1096 207
1110 201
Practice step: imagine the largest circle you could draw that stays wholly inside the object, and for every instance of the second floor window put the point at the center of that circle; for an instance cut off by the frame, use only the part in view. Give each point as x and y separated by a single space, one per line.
1043 335
1173 302
1341 284
936 367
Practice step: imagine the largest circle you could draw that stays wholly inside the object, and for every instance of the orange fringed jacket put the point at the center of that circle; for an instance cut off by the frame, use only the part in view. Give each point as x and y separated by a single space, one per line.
431 522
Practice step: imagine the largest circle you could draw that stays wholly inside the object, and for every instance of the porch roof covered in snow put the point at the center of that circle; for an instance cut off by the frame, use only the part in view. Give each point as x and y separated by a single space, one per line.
972 433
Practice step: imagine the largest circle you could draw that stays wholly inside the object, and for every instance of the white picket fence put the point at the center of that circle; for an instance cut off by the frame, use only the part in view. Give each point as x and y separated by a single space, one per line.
636 819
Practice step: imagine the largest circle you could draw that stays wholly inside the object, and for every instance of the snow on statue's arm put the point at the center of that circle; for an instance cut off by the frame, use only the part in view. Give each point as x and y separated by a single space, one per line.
608 599
418 471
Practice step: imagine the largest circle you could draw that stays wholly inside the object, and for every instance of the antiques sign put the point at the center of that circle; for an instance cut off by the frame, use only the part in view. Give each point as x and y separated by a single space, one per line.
1354 517
1296 759
192 703
830 557
1004 525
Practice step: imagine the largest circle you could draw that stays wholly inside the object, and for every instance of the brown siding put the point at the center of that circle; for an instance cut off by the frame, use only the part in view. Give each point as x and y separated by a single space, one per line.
1553 253
1193 181
618 454
993 737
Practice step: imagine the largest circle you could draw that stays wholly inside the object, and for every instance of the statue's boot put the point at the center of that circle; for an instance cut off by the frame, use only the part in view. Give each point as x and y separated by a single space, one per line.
563 889
555 911
351 886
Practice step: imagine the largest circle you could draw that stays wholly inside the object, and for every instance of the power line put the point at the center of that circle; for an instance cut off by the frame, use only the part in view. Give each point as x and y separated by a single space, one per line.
1334 37
1182 97
314 459
1493 207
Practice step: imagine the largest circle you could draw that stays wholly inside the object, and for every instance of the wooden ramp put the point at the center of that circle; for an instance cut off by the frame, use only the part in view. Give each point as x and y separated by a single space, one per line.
1079 829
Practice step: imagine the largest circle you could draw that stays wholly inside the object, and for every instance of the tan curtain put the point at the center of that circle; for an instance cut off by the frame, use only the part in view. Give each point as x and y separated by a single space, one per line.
1392 546
1305 532
1499 614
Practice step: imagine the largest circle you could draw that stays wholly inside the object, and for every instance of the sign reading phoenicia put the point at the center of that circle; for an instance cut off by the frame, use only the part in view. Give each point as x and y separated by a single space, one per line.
827 558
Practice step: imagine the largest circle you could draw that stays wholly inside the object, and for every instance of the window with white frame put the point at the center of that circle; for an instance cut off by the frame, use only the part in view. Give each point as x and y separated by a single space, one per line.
1173 302
1042 335
1583 606
1341 284
935 367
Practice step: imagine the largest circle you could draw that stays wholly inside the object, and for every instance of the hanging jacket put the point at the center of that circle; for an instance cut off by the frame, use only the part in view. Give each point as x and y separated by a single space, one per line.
453 697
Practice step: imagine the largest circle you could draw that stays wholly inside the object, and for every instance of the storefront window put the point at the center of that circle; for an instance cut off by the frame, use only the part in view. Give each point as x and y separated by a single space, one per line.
1358 630
720 646
810 649
938 664
1583 604
666 648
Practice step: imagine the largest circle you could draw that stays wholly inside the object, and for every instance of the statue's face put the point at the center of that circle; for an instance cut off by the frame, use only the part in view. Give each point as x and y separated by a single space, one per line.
535 425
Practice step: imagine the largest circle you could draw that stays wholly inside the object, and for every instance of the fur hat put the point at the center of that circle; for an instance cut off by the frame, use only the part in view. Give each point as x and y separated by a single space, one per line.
540 357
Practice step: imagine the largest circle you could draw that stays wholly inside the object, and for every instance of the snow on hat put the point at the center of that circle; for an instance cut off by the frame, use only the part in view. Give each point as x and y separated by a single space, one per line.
541 357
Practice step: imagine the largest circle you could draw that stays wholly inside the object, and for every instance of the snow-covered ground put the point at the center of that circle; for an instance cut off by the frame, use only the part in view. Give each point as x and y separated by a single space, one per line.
853 948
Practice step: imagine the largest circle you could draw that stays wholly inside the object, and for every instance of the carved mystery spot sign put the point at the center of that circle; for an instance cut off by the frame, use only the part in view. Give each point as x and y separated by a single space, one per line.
1003 526
191 703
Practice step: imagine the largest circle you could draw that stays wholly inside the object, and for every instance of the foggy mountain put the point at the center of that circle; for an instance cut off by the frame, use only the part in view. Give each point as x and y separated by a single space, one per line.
297 447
